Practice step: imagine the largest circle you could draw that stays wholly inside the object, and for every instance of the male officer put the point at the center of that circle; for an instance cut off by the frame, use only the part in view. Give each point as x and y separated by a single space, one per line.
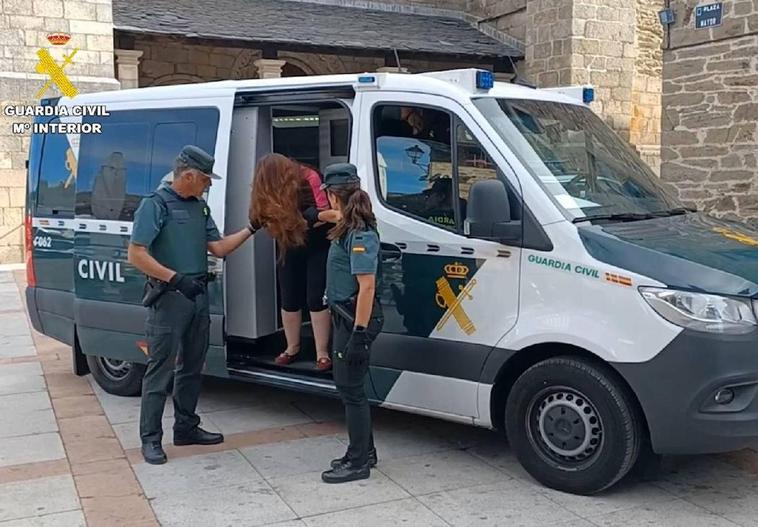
172 233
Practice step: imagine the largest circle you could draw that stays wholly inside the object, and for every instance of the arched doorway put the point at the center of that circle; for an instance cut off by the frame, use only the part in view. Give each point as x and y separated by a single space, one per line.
291 70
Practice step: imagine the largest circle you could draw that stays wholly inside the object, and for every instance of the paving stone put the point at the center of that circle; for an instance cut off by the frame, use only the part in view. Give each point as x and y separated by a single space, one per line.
677 513
504 503
627 494
92 449
249 504
407 511
117 481
119 510
252 418
14 324
716 486
292 523
37 497
20 423
441 471
77 406
124 409
16 345
30 449
23 377
321 409
289 458
308 495
197 472
40 469
22 368
59 519
85 427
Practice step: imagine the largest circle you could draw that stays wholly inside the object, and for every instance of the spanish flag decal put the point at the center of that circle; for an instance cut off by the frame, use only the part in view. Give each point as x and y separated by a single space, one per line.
618 279
359 249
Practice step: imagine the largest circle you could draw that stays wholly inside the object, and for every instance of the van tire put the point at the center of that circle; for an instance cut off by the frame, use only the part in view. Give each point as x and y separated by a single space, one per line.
117 377
573 426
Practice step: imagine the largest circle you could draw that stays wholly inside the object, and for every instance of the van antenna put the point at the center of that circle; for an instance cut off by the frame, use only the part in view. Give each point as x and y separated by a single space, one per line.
397 60
517 79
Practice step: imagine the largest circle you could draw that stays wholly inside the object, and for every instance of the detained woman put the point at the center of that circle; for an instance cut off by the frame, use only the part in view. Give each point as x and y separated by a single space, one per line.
285 193
351 285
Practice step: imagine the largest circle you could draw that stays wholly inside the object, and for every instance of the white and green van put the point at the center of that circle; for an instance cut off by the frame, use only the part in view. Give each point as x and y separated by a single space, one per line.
536 276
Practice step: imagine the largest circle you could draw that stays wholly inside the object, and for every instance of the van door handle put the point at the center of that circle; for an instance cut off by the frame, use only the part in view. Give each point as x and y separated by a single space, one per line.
390 252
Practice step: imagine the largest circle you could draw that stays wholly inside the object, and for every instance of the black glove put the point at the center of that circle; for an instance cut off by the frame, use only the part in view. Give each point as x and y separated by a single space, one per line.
311 216
357 347
186 286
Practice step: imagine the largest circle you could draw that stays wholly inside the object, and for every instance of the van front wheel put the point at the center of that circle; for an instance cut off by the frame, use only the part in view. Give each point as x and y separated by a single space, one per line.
572 425
117 376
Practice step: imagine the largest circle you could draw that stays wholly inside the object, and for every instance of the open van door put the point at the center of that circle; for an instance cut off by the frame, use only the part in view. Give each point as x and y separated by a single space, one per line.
117 168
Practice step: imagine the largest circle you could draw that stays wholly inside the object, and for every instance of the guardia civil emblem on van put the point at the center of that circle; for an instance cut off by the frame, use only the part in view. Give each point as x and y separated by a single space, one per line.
446 297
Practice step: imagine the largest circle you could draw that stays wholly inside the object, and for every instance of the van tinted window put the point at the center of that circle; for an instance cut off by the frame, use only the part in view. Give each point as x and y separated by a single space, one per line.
55 188
134 154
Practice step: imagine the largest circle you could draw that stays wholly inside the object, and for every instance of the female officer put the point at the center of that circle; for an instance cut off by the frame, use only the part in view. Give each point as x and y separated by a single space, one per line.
351 272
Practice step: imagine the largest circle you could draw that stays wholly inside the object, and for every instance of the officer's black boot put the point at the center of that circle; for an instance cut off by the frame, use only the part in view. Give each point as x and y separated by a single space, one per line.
345 473
153 453
372 459
197 436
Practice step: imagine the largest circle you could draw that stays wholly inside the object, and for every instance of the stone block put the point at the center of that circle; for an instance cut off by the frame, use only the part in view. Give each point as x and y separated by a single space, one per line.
12 37
744 133
222 61
156 69
732 175
89 27
682 137
746 113
48 8
707 150
74 10
17 199
676 172
174 54
100 43
198 56
26 22
17 7
729 65
105 13
62 24
206 71
742 80
189 69
684 99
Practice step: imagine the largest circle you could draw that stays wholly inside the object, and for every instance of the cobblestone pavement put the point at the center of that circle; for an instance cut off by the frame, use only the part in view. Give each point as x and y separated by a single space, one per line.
69 456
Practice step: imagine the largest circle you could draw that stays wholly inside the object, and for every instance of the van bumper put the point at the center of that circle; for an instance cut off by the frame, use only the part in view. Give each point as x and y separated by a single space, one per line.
678 393
31 305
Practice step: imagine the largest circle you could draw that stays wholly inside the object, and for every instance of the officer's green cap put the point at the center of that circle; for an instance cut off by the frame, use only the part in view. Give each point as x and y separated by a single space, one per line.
340 174
197 158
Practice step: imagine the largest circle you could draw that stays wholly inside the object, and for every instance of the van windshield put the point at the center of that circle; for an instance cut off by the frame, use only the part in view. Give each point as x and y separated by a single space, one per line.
589 171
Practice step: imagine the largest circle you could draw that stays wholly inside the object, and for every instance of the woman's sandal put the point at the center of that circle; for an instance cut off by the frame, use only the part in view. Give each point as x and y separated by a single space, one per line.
285 358
324 364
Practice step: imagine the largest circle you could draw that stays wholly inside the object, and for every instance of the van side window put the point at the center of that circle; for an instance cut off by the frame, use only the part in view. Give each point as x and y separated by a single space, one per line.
415 162
55 188
473 164
134 155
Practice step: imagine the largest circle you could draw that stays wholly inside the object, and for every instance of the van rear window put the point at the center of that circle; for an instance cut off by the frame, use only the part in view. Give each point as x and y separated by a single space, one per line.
55 188
134 155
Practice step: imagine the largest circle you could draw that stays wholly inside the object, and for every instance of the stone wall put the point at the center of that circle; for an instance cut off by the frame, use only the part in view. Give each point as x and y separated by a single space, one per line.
645 124
167 60
710 116
24 26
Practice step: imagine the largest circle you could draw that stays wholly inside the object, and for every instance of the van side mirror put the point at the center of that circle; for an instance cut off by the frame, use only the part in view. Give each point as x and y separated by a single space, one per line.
488 214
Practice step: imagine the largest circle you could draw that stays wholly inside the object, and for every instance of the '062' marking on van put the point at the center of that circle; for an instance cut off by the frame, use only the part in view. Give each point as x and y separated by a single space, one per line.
42 241
99 270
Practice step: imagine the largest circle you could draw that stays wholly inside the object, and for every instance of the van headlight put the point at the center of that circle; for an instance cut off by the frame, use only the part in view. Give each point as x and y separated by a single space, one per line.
702 312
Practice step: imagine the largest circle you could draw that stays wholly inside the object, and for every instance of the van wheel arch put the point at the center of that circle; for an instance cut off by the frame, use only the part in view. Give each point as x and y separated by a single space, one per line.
528 357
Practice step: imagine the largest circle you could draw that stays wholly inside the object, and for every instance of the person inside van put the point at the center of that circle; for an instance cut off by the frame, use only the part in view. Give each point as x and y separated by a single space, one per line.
357 318
285 191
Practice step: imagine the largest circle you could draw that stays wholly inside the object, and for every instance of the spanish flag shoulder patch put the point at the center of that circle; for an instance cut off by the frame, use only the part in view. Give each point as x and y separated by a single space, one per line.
359 249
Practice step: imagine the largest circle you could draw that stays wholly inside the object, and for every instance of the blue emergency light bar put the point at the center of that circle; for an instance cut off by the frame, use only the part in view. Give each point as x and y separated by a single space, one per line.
366 79
588 95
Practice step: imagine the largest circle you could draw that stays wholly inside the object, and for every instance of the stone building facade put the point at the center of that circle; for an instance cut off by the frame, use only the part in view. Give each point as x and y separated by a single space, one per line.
710 110
562 42
24 26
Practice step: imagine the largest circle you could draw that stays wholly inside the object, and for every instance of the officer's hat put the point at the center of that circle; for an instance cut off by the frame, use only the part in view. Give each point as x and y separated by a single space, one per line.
197 158
340 174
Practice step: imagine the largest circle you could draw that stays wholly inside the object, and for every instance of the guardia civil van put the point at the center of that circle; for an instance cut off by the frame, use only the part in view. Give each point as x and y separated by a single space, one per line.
537 277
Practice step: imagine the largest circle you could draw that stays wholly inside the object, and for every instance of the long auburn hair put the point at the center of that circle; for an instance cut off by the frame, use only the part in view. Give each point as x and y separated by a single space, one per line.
275 198
357 214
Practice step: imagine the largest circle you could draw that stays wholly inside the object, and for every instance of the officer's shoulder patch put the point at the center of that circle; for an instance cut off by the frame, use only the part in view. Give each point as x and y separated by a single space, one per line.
359 248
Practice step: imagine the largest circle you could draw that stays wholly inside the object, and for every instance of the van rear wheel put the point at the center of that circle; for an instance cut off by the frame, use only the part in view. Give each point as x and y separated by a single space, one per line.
117 377
573 426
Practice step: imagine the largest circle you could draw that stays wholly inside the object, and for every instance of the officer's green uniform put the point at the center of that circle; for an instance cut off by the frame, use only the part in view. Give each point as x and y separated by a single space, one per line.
357 252
176 231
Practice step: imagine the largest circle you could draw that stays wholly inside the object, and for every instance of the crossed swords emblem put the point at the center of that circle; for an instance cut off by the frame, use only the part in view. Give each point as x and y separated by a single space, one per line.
446 298
54 70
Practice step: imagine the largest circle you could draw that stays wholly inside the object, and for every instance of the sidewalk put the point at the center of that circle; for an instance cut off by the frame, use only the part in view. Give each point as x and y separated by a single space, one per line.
69 456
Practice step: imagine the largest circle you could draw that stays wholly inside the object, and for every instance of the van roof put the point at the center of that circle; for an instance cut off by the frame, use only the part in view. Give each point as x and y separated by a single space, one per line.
426 83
